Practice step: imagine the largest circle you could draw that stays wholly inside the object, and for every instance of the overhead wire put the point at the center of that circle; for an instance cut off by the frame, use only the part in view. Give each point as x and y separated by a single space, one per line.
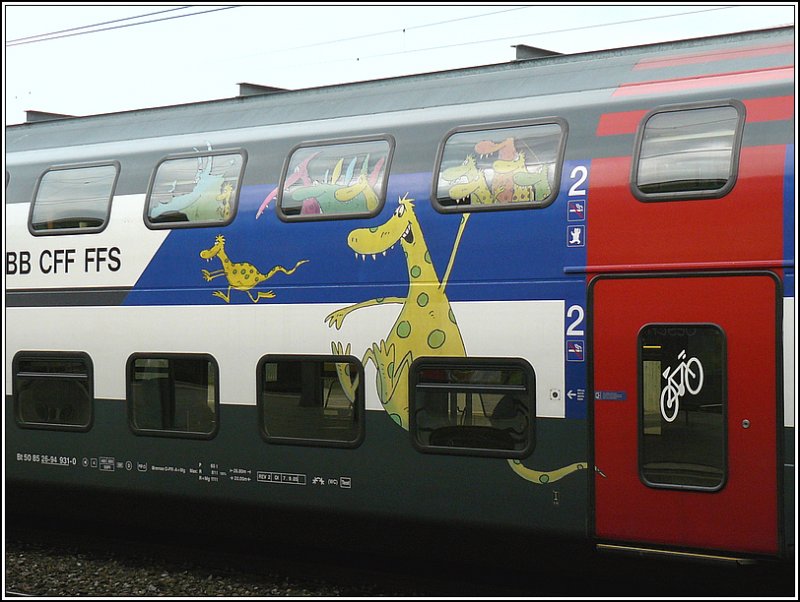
403 29
48 37
547 32
486 41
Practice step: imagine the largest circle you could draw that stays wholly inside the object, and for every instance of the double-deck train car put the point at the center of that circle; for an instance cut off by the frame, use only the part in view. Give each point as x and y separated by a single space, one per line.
553 297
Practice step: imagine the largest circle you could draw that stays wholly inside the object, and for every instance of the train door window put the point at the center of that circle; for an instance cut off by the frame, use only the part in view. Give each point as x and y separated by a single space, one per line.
173 395
688 152
682 406
500 167
53 390
73 199
311 400
472 406
197 189
327 180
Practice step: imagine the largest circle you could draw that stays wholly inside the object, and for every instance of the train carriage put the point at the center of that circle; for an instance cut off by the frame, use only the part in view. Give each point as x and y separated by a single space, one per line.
553 297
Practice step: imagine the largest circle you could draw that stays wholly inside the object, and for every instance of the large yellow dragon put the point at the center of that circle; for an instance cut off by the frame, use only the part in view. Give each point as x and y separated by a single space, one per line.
426 325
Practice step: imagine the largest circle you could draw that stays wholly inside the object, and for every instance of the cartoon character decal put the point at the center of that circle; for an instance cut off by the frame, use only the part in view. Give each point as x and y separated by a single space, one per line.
241 276
425 326
342 194
317 182
203 193
500 167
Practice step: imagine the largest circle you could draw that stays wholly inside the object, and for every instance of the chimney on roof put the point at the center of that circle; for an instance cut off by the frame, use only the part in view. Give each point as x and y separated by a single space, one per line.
531 52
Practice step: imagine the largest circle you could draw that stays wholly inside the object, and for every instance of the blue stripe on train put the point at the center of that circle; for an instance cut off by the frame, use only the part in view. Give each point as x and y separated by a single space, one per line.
503 255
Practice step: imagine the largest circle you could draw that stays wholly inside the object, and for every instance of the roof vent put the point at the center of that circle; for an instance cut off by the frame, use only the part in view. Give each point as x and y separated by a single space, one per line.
34 116
246 89
530 52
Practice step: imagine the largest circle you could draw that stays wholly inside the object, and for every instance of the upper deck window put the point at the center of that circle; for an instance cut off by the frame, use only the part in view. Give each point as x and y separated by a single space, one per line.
502 167
73 199
688 152
335 179
200 189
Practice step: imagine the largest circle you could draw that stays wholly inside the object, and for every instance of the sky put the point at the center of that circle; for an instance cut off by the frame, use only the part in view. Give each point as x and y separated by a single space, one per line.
145 55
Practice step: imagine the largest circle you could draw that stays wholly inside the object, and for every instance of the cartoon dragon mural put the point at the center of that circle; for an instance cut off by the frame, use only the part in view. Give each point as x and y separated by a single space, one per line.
511 180
426 323
473 190
241 276
209 199
336 194
425 326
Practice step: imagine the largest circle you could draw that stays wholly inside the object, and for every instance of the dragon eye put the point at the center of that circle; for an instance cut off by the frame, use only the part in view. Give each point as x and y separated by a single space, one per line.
400 211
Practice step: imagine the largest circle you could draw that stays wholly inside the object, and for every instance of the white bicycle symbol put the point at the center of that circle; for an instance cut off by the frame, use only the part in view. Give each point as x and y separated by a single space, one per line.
691 380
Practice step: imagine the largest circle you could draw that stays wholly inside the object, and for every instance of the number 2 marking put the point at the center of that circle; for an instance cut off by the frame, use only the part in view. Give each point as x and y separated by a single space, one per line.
581 173
572 329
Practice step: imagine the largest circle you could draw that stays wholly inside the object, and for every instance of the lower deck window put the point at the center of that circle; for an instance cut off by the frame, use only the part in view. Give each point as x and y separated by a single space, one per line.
682 442
53 390
315 400
473 406
173 395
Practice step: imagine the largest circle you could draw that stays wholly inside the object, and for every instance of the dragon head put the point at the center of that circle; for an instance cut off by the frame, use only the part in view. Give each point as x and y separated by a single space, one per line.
403 226
219 245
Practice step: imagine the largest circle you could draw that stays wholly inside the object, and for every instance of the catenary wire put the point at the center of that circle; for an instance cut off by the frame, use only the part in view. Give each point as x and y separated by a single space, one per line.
79 33
53 33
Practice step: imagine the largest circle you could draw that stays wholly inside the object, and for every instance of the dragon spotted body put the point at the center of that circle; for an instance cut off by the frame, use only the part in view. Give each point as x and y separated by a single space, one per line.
426 324
240 276
425 327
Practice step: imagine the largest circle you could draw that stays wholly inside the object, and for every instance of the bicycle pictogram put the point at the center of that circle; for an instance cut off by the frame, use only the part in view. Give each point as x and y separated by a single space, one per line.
690 379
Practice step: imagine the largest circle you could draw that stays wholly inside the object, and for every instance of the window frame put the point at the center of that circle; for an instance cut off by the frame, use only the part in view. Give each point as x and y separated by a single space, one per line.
487 127
53 355
196 155
66 167
147 432
640 408
461 363
359 405
328 142
736 147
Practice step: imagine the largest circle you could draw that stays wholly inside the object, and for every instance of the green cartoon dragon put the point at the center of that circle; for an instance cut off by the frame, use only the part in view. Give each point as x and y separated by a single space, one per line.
338 193
426 325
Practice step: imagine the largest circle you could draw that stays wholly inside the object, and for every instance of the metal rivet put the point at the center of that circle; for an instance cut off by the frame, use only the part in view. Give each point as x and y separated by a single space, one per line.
745 424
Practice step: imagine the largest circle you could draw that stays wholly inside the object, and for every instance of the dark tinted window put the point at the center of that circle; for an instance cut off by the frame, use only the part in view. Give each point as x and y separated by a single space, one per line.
53 390
173 395
312 400
682 406
473 407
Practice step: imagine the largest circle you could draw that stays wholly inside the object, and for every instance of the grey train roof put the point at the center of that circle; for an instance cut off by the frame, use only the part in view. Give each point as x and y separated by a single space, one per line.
518 79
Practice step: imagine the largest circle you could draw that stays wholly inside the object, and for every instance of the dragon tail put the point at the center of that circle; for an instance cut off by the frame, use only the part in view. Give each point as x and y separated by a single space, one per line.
543 477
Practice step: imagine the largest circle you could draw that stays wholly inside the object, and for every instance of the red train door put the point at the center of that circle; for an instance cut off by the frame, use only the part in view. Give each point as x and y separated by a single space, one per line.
685 413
